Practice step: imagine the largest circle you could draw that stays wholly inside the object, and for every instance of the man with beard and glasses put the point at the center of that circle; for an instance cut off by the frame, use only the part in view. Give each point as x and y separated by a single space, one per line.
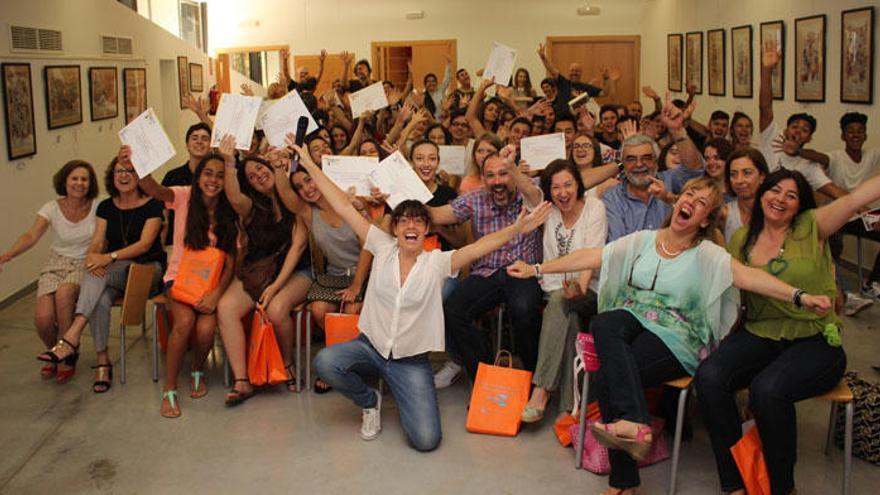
632 205
491 209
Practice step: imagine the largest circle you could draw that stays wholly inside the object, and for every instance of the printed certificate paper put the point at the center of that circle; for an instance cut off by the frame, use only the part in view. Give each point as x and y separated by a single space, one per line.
281 118
150 146
350 171
453 159
500 64
539 151
368 99
237 115
396 177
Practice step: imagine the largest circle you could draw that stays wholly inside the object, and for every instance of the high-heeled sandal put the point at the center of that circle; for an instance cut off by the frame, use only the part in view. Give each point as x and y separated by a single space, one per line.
174 412
291 382
48 371
637 448
236 397
102 382
64 375
199 385
55 356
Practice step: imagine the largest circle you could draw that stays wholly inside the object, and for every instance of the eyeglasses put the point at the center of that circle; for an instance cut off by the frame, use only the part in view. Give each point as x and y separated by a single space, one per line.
632 159
417 221
124 171
633 267
582 146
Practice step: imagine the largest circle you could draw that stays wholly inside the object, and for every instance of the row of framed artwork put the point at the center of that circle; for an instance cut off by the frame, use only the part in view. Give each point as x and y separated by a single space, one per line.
856 58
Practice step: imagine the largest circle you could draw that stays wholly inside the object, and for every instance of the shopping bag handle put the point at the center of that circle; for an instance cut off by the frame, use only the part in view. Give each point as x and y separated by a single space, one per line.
504 352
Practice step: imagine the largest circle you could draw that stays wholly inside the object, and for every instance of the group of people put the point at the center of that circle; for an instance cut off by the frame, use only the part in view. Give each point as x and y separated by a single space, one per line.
656 234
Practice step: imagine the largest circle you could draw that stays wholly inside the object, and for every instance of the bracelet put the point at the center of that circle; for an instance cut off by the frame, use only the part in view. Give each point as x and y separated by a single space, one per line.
796 297
537 270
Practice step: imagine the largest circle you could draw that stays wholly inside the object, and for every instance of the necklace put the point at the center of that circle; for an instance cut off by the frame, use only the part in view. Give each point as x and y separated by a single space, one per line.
669 253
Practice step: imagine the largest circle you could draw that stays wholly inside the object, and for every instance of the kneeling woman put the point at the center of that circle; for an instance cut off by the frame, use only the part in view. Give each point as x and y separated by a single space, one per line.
203 218
784 354
402 316
664 303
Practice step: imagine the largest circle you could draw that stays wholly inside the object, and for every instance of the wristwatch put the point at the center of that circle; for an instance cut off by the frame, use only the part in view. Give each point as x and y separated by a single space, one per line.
113 256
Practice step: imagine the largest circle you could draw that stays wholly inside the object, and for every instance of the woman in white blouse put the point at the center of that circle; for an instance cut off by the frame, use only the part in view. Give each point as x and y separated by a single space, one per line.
402 317
72 219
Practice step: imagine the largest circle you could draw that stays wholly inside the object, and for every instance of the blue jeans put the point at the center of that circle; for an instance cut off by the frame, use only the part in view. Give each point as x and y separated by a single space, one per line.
778 373
411 380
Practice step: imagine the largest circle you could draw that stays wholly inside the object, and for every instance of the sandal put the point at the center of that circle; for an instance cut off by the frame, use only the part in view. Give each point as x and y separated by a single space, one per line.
47 372
56 354
236 397
291 383
174 411
63 375
321 388
199 385
103 379
637 447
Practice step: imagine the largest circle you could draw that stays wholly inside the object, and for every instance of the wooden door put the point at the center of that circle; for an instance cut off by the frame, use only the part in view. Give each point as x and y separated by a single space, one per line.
333 66
596 52
427 56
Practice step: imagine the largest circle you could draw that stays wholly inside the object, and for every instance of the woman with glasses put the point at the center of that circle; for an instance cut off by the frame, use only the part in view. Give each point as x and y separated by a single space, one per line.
126 232
666 299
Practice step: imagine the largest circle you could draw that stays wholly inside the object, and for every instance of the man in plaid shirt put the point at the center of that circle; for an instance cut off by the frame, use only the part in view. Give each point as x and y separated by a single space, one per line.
491 209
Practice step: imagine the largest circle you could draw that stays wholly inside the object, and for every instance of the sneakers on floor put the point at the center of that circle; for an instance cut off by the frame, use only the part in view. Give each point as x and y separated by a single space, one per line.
872 290
855 303
371 421
447 375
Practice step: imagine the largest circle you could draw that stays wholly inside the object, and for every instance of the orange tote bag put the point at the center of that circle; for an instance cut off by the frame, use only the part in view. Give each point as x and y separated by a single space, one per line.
749 457
198 274
340 327
498 398
265 365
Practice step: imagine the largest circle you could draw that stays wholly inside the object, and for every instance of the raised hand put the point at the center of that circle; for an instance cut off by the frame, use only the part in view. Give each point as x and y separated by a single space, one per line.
124 155
541 51
671 116
323 56
627 129
613 73
508 154
227 148
691 89
650 92
770 55
529 221
586 120
247 90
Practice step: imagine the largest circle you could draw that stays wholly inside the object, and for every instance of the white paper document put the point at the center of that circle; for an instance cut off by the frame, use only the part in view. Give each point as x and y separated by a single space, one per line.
500 64
350 171
395 176
539 151
281 118
453 159
236 115
150 146
368 99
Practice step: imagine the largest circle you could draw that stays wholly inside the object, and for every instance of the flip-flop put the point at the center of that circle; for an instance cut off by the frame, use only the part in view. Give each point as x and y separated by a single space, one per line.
171 395
199 385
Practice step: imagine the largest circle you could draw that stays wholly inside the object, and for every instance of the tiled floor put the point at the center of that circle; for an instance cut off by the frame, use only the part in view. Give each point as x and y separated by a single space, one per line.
65 439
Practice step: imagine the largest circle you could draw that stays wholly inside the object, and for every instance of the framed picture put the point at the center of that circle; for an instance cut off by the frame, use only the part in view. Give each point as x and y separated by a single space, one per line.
63 95
18 99
103 93
673 58
741 61
195 78
134 86
857 55
694 61
716 57
809 58
774 32
182 78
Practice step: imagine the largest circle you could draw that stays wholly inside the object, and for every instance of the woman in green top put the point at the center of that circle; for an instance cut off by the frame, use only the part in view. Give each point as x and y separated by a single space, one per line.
785 353
665 300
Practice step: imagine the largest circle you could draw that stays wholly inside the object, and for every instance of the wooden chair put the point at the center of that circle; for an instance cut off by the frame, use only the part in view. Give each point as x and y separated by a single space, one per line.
137 292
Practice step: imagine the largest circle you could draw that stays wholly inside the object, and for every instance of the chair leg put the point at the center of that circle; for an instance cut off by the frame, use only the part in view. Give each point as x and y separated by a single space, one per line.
499 330
676 442
847 447
227 371
155 343
859 260
297 356
582 423
832 424
308 363
122 354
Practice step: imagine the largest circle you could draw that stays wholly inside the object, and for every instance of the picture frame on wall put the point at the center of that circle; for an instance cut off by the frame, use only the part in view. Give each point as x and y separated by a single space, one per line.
809 58
195 78
741 61
182 79
18 104
716 58
774 31
857 55
134 92
694 61
103 93
63 95
673 58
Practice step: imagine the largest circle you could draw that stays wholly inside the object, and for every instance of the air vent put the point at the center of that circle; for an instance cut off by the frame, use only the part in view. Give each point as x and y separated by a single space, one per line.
26 38
116 45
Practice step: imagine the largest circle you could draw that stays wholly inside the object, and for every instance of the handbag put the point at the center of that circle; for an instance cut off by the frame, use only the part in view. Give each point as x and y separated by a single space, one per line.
749 457
340 327
866 419
257 275
265 365
498 398
595 458
197 274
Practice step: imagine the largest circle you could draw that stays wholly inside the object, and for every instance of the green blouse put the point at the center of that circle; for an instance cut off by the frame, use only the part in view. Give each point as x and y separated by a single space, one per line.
806 264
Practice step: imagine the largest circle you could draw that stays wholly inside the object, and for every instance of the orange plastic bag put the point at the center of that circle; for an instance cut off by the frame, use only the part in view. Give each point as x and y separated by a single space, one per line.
431 242
265 365
498 398
340 327
749 457
198 274
562 426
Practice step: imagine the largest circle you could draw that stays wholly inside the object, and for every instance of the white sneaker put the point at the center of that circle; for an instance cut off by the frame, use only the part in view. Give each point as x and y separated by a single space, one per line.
371 421
872 290
854 304
447 375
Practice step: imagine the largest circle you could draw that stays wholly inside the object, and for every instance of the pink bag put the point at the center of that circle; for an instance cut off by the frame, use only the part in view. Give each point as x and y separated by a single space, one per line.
586 348
595 459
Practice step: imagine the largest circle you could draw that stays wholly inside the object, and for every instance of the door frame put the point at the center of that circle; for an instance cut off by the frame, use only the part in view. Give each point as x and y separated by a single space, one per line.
377 60
635 39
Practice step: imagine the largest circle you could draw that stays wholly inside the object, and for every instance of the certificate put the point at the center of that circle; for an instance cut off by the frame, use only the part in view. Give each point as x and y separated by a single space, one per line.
500 64
350 171
453 159
395 176
150 146
370 98
236 116
281 118
539 151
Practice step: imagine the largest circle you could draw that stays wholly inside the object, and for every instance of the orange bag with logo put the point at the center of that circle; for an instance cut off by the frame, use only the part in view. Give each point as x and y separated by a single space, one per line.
340 327
265 364
749 456
498 398
197 274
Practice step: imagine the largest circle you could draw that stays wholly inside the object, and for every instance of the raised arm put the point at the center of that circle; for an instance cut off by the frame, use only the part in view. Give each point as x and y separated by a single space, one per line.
526 223
578 260
531 193
473 108
551 69
148 184
770 56
357 136
594 176
338 200
652 94
760 282
831 217
321 59
280 160
201 107
26 241
239 201
447 77
674 118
